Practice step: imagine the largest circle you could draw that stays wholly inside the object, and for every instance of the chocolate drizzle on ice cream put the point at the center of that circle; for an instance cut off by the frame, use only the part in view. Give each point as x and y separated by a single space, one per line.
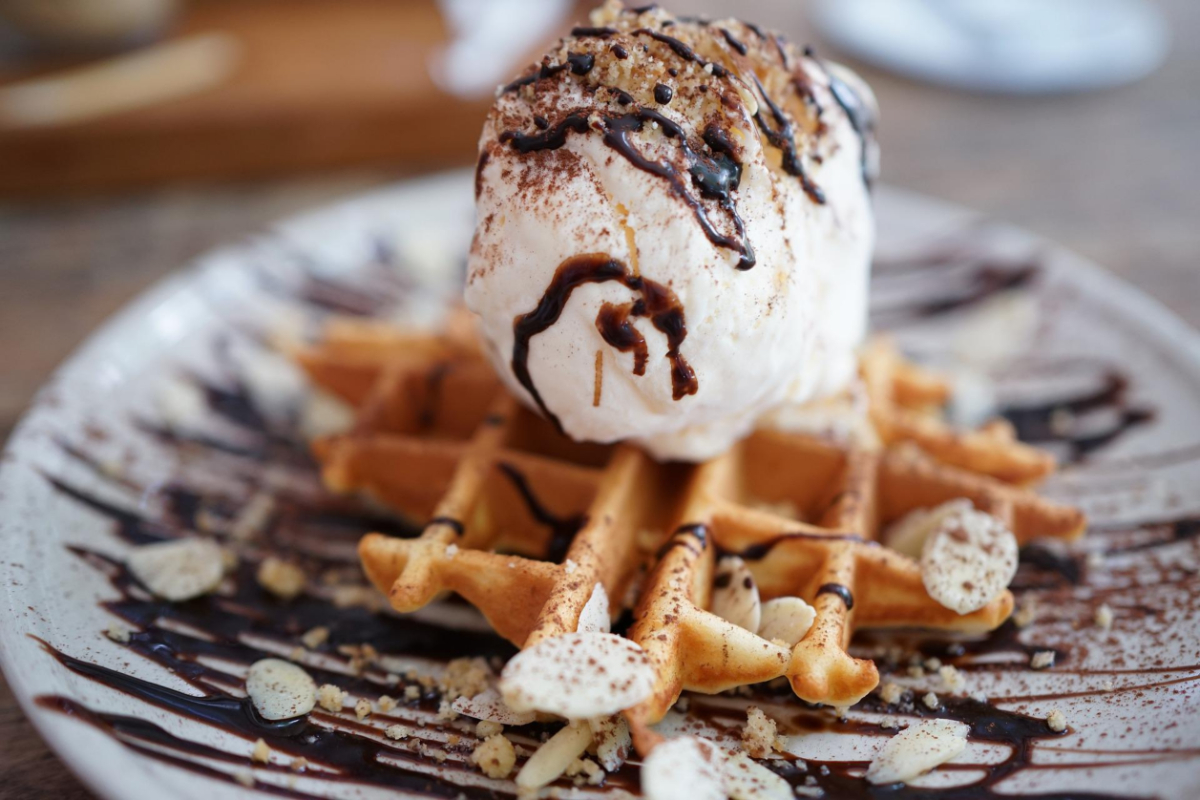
656 302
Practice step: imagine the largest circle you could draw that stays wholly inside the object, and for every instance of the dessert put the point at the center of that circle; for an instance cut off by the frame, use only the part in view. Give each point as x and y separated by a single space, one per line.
666 417
622 580
674 230
538 532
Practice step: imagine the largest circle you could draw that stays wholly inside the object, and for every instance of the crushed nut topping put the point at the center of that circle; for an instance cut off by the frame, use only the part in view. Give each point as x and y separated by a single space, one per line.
760 736
495 757
281 578
330 697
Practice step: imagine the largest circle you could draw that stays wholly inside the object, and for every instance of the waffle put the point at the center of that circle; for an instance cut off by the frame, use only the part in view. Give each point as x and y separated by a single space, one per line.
523 523
904 406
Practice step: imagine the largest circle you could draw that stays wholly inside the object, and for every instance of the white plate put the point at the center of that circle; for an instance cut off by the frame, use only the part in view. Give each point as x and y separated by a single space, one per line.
1061 330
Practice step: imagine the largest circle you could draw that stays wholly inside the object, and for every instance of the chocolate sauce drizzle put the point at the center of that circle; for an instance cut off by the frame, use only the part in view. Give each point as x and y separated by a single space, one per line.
656 302
1040 422
783 137
862 119
733 42
617 129
562 529
840 590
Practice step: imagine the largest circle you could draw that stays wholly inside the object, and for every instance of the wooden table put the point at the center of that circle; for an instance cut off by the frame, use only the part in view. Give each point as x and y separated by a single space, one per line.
1112 175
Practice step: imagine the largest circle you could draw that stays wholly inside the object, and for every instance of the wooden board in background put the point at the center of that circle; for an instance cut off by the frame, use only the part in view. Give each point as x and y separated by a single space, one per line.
322 83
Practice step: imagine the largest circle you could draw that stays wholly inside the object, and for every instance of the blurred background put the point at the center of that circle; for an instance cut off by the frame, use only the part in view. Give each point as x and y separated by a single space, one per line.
136 134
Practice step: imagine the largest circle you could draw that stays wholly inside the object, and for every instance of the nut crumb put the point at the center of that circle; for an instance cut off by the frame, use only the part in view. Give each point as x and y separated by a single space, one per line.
398 732
245 777
585 771
1104 616
362 709
930 700
952 679
465 677
1024 616
446 712
1056 721
486 728
315 637
386 703
299 764
891 693
330 697
495 757
760 737
261 752
118 633
412 692
281 578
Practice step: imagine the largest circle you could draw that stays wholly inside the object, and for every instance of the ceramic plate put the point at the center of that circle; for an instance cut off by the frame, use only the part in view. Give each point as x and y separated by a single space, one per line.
181 416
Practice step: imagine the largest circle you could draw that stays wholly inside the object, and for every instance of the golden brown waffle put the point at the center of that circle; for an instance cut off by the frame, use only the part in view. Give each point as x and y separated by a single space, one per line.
905 402
523 522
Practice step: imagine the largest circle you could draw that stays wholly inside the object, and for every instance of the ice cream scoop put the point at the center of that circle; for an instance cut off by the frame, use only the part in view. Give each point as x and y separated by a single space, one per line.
673 230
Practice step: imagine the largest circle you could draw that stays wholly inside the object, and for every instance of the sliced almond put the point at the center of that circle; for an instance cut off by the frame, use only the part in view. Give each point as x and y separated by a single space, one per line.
686 768
918 749
968 560
178 570
578 676
553 757
280 689
907 535
594 617
489 705
735 595
786 618
612 740
746 779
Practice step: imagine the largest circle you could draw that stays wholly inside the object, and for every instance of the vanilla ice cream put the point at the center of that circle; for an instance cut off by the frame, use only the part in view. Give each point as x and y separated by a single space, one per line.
674 230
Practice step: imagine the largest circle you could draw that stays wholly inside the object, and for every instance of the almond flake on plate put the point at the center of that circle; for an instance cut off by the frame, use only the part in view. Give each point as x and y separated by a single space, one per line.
918 749
578 676
685 768
968 560
280 690
178 570
555 755
490 706
746 779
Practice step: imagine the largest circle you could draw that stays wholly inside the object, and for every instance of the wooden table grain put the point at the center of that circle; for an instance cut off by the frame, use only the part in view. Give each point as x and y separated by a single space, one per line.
1111 174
